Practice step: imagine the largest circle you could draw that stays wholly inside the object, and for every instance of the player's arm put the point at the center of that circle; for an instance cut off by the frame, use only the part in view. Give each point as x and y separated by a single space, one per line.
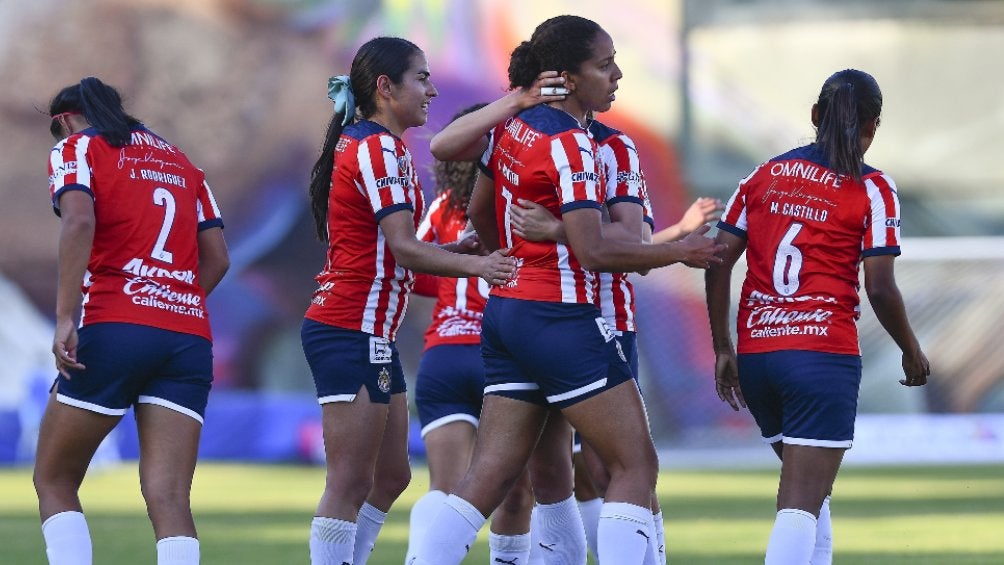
481 211
214 259
704 210
533 222
717 287
464 138
887 302
76 236
411 253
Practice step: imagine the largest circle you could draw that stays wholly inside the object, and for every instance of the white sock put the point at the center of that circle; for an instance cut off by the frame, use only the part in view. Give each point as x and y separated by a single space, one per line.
624 533
67 539
590 512
331 541
178 550
822 553
451 533
368 524
536 553
660 538
562 537
422 513
511 550
792 539
654 554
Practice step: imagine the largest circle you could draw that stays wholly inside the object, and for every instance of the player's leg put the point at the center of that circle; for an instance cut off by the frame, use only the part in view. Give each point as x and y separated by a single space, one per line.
67 439
507 433
391 476
509 539
614 424
807 475
560 536
587 495
169 445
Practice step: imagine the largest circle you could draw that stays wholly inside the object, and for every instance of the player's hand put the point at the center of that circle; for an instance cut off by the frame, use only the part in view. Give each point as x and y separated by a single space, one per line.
64 348
533 95
704 210
498 268
698 251
916 368
533 222
469 244
727 380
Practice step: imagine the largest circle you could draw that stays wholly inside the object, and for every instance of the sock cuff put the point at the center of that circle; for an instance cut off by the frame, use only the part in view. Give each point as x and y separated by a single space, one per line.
509 544
371 513
67 516
180 549
467 510
626 511
797 517
570 501
333 530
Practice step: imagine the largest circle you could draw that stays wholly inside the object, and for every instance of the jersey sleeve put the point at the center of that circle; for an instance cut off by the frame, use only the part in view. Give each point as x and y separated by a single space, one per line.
386 174
208 211
69 168
575 171
485 162
623 170
734 218
882 227
427 231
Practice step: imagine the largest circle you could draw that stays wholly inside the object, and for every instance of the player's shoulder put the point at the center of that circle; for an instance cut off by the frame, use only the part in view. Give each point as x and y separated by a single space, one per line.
366 130
549 121
604 134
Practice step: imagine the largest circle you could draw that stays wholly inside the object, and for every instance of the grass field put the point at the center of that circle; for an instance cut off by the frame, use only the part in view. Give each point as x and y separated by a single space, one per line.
251 514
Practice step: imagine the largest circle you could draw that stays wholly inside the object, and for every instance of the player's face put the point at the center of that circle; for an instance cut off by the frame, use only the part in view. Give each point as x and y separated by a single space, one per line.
412 96
596 79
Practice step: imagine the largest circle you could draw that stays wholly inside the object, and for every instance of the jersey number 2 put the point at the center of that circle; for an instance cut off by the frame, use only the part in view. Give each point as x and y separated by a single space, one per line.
163 197
787 263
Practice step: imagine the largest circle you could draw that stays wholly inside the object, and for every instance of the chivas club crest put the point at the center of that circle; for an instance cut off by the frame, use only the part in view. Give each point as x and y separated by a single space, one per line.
383 380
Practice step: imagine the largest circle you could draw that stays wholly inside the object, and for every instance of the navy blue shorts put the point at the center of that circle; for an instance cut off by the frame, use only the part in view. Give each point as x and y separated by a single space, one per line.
549 352
628 342
802 397
450 386
343 361
129 364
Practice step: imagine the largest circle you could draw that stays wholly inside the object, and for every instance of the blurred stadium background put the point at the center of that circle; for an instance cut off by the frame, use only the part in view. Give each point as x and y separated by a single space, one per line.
711 88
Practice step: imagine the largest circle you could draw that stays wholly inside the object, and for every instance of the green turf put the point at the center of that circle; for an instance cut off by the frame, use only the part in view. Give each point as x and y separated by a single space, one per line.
250 514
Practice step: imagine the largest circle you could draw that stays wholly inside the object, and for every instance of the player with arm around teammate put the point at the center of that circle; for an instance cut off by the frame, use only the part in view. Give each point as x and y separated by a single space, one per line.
367 203
807 220
543 339
140 246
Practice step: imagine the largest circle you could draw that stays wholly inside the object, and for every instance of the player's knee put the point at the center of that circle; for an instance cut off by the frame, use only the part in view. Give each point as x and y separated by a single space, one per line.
393 482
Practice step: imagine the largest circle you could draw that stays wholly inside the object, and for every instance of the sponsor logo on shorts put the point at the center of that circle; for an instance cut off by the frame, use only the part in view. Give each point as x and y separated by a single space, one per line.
380 351
383 380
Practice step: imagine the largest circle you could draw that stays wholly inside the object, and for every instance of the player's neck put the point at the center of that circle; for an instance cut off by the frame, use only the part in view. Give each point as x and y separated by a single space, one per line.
573 109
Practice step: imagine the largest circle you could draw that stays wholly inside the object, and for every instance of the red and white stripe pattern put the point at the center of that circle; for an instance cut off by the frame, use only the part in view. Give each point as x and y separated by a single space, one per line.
362 287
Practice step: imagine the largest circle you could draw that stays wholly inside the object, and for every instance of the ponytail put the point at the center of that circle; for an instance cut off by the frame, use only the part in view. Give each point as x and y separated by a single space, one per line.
100 105
849 99
320 177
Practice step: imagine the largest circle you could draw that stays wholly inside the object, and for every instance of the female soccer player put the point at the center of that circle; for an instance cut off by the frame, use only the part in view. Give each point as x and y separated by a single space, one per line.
140 246
807 219
367 203
544 341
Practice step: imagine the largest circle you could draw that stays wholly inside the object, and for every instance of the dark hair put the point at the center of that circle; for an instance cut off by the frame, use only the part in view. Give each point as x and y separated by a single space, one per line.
100 105
391 56
457 178
561 43
848 99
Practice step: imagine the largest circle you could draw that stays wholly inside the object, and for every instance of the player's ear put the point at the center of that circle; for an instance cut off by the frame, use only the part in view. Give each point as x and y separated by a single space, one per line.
815 115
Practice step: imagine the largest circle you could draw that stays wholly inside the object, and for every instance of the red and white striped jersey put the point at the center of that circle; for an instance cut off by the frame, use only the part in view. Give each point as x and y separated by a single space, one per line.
150 202
543 155
625 183
361 286
807 230
460 303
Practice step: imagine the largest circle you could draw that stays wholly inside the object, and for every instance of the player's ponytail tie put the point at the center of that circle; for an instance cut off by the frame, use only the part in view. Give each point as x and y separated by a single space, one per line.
340 92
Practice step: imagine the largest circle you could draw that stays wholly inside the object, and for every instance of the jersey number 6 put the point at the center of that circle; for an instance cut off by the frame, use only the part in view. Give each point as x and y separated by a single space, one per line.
787 263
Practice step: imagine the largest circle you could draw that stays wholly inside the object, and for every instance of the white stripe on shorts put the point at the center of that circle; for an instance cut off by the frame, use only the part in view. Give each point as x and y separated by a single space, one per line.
512 386
169 405
846 444
336 398
90 406
578 391
440 422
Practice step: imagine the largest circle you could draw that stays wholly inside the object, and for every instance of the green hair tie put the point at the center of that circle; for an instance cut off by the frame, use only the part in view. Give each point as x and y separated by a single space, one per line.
340 92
